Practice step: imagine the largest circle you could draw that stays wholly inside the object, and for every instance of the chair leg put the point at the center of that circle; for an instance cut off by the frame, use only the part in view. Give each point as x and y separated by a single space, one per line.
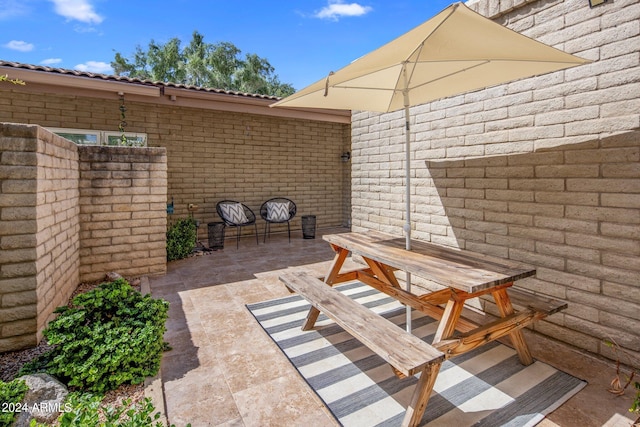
289 230
237 237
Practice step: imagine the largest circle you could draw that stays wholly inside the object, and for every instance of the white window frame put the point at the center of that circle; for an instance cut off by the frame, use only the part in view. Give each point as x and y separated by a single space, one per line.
102 137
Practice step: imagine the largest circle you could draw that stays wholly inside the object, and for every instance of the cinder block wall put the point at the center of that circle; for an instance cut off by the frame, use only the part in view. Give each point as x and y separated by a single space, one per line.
543 170
213 155
71 214
39 230
217 155
122 203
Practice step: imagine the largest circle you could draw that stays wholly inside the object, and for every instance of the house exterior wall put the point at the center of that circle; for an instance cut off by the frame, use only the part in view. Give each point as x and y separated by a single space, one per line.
542 170
101 209
71 214
214 155
217 155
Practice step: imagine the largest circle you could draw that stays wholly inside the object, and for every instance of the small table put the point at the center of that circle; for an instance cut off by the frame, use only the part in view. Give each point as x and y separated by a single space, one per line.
462 274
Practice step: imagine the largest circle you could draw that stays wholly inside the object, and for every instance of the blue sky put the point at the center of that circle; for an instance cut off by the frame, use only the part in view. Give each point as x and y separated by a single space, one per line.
302 39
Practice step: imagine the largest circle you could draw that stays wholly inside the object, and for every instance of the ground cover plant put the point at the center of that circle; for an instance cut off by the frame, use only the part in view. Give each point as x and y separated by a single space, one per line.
86 409
11 394
109 336
104 340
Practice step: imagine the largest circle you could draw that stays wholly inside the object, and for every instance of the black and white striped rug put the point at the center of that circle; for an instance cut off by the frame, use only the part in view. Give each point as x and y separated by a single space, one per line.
485 387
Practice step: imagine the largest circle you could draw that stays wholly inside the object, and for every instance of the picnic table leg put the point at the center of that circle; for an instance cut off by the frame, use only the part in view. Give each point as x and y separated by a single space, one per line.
517 338
450 317
334 270
421 395
336 265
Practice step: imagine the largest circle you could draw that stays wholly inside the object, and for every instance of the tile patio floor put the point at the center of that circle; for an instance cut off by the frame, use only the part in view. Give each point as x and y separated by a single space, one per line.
224 370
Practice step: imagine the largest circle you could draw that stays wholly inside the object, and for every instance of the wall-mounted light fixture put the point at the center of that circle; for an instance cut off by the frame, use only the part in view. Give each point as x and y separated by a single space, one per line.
345 156
593 3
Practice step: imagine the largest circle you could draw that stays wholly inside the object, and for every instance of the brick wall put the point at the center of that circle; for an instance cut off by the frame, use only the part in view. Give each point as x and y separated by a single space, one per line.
217 155
39 227
122 203
543 170
213 155
71 214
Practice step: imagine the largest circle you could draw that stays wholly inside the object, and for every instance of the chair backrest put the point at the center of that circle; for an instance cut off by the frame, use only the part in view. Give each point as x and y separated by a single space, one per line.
235 213
272 209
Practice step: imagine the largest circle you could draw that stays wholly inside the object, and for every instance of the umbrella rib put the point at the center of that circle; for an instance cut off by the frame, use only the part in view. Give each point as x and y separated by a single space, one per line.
419 49
451 74
485 62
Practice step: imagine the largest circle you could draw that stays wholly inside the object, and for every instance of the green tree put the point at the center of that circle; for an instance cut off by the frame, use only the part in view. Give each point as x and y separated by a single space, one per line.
218 65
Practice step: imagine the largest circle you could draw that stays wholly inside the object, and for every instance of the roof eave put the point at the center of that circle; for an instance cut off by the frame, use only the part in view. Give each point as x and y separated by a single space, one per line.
166 94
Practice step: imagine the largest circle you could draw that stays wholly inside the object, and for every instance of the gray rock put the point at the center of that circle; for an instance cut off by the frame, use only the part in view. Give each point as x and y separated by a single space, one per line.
44 400
112 276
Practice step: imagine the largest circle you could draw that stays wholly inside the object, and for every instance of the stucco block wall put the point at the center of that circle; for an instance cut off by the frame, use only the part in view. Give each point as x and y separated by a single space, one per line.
542 170
122 203
71 214
214 155
572 211
39 226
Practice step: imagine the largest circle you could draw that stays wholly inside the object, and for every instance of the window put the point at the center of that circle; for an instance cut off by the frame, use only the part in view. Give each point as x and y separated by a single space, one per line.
97 137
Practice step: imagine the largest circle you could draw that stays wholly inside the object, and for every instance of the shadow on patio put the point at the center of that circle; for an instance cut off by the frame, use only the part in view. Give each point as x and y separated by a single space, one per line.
225 370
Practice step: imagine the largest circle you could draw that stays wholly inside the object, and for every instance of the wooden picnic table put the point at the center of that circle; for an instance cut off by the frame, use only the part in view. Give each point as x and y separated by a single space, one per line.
460 274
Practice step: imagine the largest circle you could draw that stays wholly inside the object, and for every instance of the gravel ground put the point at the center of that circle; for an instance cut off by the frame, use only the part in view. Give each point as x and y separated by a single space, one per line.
11 362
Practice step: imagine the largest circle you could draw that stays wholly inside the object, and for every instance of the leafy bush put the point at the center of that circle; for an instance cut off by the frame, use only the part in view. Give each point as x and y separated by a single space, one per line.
110 336
181 239
11 394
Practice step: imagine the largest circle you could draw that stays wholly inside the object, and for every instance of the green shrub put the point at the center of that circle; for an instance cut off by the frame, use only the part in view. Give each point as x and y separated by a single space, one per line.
11 394
110 336
181 239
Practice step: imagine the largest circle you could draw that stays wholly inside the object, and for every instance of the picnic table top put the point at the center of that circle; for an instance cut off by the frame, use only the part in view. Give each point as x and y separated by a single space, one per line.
455 268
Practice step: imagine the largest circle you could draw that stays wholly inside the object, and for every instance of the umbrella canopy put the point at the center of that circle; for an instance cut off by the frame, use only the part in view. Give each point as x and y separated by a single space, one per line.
456 51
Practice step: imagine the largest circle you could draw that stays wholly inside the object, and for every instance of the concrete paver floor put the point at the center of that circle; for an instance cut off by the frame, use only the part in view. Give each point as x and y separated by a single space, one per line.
223 369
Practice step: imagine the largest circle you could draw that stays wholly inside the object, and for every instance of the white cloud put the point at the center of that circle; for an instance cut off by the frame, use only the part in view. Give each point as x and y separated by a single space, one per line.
19 45
337 9
79 10
51 61
94 67
12 8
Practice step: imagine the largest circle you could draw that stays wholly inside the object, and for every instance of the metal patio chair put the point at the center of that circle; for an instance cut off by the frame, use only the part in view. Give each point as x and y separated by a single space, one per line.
236 214
277 210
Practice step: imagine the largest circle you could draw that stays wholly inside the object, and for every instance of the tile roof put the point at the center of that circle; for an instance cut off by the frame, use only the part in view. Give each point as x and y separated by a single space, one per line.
122 79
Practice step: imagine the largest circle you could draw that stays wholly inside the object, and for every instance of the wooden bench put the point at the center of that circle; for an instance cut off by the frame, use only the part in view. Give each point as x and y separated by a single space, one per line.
530 308
540 305
405 352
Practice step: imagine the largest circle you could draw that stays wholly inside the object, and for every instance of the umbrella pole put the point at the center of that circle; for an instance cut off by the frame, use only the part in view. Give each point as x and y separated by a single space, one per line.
407 225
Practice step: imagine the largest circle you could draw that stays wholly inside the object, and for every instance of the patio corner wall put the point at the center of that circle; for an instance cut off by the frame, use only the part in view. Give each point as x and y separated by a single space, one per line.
543 170
123 219
71 214
39 230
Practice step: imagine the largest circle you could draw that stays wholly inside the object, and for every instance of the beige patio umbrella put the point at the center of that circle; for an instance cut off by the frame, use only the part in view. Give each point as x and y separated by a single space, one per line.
456 51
